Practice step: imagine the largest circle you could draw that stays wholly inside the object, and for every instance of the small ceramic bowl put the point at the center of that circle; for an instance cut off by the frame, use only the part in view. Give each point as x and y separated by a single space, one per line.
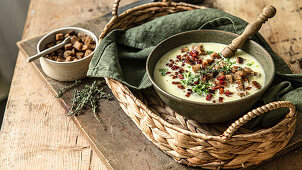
210 112
65 71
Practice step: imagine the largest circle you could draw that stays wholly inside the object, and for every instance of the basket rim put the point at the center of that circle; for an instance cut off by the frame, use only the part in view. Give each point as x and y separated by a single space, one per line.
114 19
142 7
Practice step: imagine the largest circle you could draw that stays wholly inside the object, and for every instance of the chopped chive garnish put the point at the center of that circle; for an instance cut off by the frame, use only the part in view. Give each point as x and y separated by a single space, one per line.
163 71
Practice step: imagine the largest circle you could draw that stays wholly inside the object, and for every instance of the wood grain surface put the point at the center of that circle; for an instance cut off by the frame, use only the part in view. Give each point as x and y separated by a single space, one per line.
36 134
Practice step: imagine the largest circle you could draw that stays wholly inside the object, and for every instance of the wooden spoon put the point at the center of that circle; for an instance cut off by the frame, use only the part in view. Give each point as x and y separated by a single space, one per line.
251 29
48 50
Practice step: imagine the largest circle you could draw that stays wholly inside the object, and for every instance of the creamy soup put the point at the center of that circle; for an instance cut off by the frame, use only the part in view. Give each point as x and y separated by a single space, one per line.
198 72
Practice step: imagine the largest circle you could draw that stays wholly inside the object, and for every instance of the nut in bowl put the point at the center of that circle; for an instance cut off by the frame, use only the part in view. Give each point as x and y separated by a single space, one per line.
203 85
72 61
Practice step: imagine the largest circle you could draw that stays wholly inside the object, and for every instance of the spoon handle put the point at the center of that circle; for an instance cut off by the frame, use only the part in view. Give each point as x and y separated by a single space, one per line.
48 50
251 29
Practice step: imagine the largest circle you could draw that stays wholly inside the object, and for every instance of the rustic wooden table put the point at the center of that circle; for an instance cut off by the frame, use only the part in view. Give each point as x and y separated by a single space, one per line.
36 133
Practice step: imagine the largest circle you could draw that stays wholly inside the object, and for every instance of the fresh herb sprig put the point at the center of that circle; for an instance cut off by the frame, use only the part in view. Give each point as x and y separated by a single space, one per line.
87 97
66 88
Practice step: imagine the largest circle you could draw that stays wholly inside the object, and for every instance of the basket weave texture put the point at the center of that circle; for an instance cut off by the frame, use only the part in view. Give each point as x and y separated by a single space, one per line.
210 146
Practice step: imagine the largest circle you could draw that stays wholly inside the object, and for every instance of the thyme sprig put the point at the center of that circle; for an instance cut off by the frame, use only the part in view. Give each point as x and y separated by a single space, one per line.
85 98
88 97
66 88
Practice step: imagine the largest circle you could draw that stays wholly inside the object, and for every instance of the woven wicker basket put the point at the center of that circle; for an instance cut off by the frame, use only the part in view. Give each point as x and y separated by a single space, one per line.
212 146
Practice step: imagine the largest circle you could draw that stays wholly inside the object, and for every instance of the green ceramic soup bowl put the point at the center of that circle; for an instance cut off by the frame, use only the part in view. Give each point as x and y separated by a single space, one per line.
210 112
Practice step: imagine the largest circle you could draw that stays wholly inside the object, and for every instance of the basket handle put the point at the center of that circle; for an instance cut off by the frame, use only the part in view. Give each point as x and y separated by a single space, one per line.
227 134
117 2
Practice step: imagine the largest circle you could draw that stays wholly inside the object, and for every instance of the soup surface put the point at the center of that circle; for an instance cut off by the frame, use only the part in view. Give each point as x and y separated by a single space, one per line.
198 72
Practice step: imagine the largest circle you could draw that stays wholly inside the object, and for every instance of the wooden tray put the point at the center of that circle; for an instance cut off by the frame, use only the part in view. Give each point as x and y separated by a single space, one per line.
117 140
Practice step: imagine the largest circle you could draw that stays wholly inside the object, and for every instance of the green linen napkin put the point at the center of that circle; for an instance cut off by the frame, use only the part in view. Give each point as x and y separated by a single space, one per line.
122 55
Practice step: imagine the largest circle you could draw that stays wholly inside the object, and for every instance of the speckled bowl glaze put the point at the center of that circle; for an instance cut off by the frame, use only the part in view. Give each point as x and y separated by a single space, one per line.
210 112
64 71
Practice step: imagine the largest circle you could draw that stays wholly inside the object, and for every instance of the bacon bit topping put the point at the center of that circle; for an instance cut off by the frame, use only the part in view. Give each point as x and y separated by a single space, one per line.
248 88
175 82
180 86
178 57
230 79
212 91
221 78
247 71
240 87
174 77
215 55
186 56
184 49
193 53
214 101
181 70
239 60
199 49
239 74
220 99
207 62
221 91
180 76
256 85
222 83
174 67
168 72
228 93
216 87
242 94
196 68
188 94
209 96
191 62
235 68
